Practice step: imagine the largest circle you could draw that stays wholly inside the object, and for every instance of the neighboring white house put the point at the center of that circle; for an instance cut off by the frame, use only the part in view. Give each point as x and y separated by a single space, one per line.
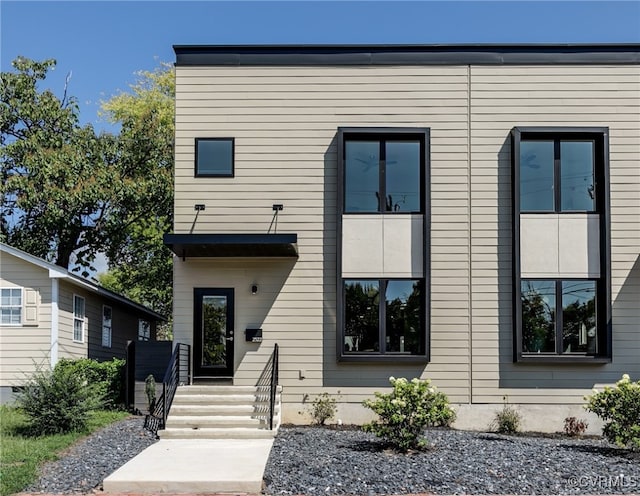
47 313
468 214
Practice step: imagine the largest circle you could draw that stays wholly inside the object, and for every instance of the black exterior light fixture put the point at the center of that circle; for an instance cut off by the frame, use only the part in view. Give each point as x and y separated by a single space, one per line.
254 289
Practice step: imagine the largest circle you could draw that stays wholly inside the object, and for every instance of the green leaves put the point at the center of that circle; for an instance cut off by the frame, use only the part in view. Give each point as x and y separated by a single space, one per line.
57 174
619 407
69 193
407 411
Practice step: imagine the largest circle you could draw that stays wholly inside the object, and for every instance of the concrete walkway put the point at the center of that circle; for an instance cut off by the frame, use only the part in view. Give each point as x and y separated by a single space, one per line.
194 466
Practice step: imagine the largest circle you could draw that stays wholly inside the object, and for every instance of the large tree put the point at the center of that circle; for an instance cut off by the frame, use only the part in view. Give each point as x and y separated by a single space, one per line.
69 193
57 176
140 266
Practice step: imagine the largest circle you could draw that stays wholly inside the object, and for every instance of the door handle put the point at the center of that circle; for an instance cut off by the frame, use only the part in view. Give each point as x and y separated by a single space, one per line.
230 338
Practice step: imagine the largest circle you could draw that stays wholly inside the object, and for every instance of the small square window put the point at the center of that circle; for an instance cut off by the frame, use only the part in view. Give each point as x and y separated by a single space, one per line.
214 157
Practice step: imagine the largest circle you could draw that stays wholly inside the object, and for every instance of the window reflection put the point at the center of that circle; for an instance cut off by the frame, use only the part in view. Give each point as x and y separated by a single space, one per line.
579 317
402 176
403 317
538 316
361 316
537 176
362 176
577 175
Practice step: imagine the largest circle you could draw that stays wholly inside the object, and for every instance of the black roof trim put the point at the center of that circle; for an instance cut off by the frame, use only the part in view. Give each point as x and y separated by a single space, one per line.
232 245
477 54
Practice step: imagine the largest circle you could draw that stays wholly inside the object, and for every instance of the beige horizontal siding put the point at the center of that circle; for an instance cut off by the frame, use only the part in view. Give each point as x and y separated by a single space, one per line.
24 349
284 122
504 97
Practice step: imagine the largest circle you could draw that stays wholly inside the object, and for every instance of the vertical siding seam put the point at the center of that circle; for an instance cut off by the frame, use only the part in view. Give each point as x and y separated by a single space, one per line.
469 213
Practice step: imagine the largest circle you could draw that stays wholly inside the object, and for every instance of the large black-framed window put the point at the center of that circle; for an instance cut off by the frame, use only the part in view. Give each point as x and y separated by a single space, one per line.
558 172
561 172
214 157
383 171
560 316
384 316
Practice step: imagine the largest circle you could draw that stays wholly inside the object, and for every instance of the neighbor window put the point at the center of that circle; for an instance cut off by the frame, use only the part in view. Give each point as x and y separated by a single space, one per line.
384 316
214 157
107 315
78 318
10 306
144 330
383 173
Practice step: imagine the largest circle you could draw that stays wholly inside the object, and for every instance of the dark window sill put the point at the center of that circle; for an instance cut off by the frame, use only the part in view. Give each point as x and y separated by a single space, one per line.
572 359
389 358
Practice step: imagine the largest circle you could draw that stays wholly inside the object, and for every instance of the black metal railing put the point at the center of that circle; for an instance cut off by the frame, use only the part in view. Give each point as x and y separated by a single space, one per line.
177 373
273 384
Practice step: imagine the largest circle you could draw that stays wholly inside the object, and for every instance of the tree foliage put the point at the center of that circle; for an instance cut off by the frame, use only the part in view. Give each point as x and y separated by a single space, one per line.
58 177
140 264
69 193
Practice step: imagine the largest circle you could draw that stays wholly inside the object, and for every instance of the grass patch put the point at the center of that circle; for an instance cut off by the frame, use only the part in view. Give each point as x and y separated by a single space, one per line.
21 455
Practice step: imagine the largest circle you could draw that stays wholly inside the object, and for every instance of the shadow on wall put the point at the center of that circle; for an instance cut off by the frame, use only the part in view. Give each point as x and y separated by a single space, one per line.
337 374
625 315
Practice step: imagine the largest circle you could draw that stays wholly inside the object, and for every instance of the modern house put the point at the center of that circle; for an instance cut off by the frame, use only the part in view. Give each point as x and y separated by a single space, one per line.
468 214
47 313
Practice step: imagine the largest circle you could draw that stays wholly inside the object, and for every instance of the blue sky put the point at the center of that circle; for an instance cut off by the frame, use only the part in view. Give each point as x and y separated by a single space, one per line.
104 43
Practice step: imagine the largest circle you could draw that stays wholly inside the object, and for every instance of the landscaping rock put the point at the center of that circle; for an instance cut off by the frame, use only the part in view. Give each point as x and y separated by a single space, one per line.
83 467
321 461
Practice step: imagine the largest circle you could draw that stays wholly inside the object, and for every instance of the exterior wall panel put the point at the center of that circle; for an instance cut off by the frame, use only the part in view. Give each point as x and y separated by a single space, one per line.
507 96
285 121
24 348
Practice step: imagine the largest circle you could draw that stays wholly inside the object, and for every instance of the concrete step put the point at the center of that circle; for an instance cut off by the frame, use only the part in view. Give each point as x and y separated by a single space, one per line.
217 433
225 399
220 409
200 422
223 389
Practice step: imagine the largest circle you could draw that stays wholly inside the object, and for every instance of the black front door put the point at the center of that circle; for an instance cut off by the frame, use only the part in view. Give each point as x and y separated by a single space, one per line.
213 332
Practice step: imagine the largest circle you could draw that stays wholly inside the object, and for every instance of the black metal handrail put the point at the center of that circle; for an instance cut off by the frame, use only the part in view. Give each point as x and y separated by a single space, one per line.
177 372
273 384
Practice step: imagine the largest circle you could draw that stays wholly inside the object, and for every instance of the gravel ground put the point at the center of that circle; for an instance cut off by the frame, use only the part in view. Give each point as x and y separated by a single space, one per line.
322 461
83 467
316 461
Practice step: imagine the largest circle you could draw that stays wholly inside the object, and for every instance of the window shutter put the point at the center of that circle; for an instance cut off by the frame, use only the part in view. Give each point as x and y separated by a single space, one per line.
30 309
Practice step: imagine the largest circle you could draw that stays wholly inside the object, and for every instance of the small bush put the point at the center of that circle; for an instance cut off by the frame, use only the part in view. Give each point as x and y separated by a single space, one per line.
407 411
574 427
619 407
58 401
507 420
107 376
323 408
150 392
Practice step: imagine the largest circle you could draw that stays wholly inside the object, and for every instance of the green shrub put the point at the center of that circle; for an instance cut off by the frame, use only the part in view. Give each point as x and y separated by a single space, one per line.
150 392
107 376
58 401
323 408
507 420
407 411
619 407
